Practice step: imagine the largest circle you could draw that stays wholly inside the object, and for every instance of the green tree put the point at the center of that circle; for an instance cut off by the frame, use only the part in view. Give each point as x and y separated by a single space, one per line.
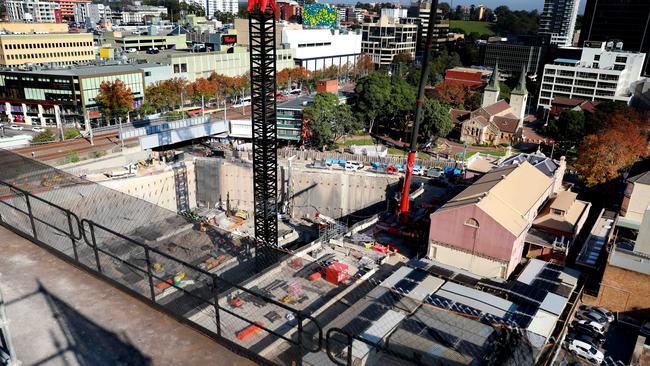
224 16
71 133
327 120
505 91
572 125
403 58
436 120
43 137
399 110
373 95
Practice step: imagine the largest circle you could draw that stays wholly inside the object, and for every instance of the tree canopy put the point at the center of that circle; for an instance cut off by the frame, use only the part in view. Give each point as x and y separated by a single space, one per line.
373 95
114 98
436 119
602 156
327 120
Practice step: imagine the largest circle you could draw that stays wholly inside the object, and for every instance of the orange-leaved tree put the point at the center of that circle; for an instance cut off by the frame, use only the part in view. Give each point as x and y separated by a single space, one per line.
602 156
202 88
115 98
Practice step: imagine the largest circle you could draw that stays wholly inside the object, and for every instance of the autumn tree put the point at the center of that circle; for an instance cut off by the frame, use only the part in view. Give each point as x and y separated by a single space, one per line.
203 90
602 156
451 94
115 99
363 66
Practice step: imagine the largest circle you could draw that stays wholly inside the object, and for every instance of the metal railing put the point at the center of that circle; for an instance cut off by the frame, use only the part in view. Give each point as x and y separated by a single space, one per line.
38 219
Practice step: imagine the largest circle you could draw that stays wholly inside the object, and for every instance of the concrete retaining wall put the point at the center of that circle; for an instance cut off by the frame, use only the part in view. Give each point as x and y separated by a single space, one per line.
335 193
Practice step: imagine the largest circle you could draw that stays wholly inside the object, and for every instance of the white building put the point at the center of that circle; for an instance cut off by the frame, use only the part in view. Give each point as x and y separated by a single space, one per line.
91 14
138 14
226 6
559 19
604 72
387 38
317 49
33 11
394 13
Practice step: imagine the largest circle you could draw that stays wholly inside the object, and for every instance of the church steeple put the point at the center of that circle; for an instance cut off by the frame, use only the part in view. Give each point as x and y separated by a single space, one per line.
492 89
493 84
521 86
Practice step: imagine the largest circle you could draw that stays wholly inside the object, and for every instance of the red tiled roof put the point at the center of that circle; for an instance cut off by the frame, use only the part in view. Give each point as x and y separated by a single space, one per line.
458 115
569 102
497 107
590 106
506 124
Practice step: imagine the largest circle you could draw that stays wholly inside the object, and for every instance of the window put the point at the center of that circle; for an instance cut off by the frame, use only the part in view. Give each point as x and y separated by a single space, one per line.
558 212
472 222
621 59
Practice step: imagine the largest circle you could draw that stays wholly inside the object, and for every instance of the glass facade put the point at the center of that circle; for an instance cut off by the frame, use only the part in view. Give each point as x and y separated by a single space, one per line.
91 86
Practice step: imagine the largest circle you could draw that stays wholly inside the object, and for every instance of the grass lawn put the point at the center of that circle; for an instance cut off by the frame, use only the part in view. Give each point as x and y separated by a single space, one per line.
356 141
472 26
486 152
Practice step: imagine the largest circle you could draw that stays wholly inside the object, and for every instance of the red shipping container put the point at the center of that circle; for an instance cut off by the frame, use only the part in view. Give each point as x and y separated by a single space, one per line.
315 276
337 273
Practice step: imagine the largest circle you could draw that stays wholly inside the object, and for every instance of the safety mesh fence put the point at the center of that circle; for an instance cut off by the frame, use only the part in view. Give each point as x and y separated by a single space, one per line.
257 302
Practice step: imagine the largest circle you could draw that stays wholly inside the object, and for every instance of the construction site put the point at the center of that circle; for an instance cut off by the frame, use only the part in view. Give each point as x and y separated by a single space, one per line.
283 260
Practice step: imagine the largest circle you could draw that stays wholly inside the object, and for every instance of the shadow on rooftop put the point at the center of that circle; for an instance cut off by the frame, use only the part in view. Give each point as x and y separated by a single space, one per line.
85 341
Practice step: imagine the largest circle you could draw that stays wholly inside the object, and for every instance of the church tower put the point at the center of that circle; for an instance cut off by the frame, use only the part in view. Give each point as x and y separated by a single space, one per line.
491 92
519 97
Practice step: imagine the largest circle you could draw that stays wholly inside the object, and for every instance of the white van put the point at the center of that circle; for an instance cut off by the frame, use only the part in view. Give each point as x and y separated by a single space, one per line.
243 102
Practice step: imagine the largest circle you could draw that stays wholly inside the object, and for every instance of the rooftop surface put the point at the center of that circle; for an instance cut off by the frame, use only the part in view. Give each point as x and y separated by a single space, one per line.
92 70
85 321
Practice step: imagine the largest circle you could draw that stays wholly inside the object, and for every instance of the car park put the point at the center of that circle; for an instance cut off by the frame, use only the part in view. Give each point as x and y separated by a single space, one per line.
585 350
589 327
595 341
592 316
599 310
434 173
16 127
38 129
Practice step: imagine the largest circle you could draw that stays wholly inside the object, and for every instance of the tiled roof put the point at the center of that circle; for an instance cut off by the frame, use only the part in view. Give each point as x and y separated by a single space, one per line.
506 124
497 107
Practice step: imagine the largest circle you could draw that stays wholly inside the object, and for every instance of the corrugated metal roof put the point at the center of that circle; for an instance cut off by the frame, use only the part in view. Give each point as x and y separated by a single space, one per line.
480 300
396 277
529 274
377 331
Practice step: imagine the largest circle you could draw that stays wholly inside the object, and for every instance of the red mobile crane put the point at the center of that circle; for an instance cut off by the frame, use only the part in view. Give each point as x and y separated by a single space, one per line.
404 204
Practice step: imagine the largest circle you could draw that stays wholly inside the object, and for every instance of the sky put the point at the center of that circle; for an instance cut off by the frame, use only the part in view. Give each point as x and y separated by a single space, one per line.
512 4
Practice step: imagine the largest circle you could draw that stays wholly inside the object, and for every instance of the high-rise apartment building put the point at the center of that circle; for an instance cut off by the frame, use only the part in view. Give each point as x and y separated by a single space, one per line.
91 14
387 38
559 20
603 72
67 7
421 10
627 21
33 11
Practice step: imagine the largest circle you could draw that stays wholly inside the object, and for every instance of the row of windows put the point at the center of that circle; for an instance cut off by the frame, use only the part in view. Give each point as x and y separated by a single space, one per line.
29 46
49 55
301 45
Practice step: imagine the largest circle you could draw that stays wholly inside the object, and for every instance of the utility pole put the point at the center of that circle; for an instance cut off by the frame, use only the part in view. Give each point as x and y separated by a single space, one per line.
289 204
120 127
243 95
89 128
202 106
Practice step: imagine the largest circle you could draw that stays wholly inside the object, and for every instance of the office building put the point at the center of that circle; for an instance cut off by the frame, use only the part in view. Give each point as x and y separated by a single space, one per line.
51 49
226 6
627 21
422 11
387 38
52 97
603 72
33 11
317 49
241 28
515 53
193 65
25 28
67 7
559 20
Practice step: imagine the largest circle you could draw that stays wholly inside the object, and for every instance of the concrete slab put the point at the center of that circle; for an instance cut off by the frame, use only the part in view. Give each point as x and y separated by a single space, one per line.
60 315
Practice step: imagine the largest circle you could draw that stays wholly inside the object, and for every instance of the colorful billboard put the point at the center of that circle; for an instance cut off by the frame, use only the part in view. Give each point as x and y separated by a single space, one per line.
319 15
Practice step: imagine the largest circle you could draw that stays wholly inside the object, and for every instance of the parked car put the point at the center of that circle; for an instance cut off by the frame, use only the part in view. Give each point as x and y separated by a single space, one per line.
358 164
595 327
418 171
434 173
600 310
16 127
585 350
391 169
132 50
592 316
595 341
38 129
351 167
